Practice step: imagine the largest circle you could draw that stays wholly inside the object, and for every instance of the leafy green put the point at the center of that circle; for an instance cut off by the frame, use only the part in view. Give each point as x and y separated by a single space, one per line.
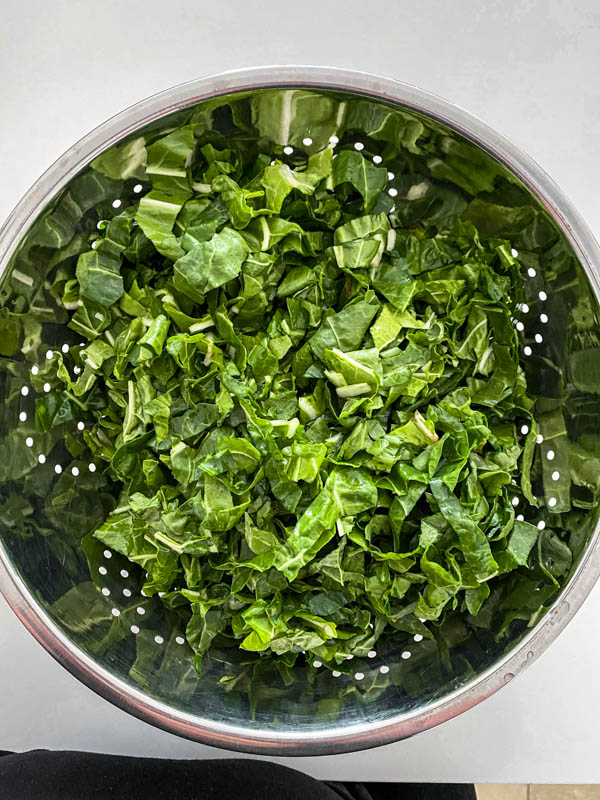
210 264
304 394
368 179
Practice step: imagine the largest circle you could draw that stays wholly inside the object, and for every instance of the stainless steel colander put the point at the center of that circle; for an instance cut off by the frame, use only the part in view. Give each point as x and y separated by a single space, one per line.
144 664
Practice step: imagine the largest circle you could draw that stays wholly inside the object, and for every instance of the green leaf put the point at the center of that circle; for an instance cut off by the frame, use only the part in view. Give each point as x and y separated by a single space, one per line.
10 333
369 180
361 242
346 493
154 338
520 543
210 264
473 542
346 328
99 278
168 157
156 215
123 161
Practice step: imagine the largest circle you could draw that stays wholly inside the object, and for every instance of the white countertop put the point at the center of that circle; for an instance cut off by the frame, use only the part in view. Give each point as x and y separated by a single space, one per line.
529 69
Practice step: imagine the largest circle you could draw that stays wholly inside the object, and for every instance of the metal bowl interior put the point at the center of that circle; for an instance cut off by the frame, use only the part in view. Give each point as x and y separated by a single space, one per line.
123 644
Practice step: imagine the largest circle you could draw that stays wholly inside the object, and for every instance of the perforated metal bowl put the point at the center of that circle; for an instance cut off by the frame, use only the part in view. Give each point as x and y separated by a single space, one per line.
144 665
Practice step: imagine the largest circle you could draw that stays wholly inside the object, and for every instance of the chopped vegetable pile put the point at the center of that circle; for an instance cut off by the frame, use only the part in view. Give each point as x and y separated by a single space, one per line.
312 414
309 403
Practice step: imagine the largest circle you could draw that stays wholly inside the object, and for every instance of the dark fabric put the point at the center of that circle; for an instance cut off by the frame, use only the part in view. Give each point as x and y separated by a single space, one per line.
406 791
44 775
69 775
421 791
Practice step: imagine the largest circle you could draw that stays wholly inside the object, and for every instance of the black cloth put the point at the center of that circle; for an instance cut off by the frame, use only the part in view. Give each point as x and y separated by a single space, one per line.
70 775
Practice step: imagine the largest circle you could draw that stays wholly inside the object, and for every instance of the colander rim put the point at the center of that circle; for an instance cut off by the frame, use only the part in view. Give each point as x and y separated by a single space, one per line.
361 735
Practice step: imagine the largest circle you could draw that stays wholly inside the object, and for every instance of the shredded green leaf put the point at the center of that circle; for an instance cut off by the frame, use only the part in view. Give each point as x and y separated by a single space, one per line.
307 393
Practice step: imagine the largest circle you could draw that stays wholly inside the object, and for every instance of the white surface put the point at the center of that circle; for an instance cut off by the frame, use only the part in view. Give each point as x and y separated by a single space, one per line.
528 68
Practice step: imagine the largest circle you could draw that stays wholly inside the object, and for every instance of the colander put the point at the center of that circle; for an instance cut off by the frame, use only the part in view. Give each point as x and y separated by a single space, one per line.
124 645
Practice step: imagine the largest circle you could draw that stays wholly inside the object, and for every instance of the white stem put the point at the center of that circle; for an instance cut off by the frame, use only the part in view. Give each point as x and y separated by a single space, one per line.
353 390
419 421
